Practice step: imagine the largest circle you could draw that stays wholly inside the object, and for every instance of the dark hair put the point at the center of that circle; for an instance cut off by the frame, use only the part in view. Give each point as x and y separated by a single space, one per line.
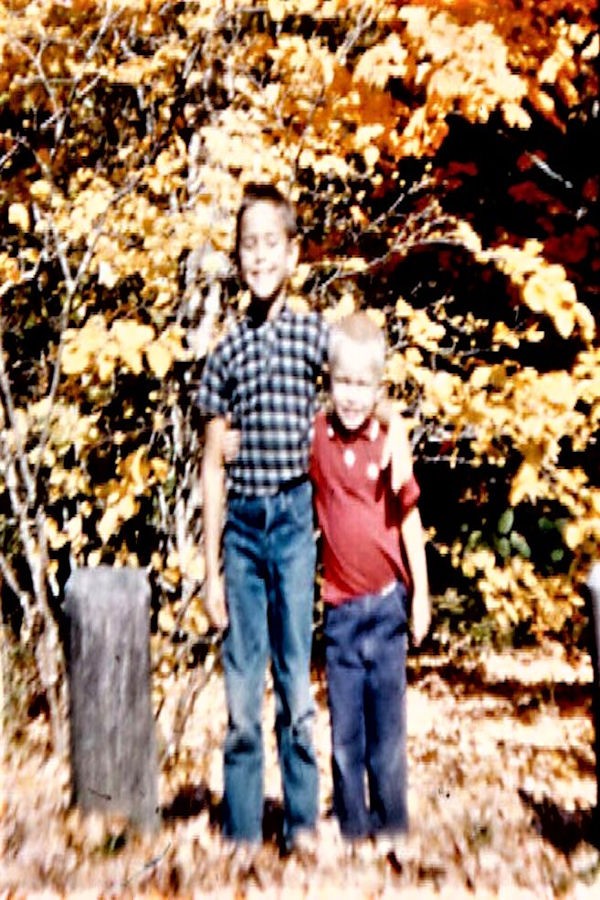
257 192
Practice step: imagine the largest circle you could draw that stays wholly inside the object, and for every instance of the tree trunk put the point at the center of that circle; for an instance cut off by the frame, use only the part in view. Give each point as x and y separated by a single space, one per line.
113 745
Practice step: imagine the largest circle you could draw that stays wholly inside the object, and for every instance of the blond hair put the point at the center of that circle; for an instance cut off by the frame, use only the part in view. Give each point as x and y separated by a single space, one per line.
361 331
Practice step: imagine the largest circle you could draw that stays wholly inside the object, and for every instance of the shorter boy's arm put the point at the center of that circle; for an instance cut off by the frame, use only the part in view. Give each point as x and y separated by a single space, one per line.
213 494
412 536
396 448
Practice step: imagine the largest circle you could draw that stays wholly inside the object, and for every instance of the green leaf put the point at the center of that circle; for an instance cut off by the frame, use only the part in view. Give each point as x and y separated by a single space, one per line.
506 521
474 540
520 545
502 546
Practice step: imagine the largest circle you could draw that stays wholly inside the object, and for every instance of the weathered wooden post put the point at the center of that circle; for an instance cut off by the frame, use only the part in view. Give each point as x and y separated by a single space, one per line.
593 584
114 764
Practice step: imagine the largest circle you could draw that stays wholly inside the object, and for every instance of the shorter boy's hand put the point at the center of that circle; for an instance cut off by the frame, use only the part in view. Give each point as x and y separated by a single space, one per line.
230 445
421 619
214 603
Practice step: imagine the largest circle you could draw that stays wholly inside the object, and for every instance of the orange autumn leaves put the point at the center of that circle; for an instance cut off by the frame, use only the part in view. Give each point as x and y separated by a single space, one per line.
141 122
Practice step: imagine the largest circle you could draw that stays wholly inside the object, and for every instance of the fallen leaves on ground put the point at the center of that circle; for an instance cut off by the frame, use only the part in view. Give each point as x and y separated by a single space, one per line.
501 790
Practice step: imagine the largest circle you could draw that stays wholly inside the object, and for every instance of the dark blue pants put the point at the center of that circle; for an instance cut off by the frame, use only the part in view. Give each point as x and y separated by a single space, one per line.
366 674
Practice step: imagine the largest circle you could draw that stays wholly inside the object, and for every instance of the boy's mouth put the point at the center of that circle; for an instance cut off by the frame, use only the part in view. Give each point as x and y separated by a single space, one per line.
262 274
351 416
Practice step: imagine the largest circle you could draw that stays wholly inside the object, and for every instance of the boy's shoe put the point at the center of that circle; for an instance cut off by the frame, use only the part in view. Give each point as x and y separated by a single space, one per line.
390 847
359 850
241 859
303 846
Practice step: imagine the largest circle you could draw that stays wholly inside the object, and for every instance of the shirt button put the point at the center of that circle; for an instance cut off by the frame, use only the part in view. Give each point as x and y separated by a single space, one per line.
349 457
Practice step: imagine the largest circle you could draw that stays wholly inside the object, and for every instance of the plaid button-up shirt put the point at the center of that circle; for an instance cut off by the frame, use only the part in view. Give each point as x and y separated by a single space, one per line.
265 377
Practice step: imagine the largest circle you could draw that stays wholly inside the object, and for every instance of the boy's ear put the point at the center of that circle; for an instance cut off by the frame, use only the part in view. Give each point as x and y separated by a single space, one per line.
293 255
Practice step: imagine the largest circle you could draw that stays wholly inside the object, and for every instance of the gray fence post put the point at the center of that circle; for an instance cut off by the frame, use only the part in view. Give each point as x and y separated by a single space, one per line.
593 584
114 764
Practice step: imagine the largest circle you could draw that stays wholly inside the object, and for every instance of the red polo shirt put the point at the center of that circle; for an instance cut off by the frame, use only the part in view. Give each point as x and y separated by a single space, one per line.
360 517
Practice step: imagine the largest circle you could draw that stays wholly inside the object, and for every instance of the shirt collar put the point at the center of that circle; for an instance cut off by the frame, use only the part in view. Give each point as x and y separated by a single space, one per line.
369 430
255 322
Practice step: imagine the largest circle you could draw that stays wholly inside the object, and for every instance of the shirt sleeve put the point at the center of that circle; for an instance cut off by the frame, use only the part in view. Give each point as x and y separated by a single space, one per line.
324 343
212 398
320 343
408 496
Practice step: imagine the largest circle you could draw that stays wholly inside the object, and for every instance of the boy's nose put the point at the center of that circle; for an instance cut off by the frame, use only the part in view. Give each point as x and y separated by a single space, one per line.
260 249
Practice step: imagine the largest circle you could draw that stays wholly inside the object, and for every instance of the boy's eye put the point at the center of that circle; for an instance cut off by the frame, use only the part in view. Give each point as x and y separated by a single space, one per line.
353 382
270 240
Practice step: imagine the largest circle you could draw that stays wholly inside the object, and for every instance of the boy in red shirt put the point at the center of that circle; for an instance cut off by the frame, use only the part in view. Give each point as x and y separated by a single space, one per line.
373 559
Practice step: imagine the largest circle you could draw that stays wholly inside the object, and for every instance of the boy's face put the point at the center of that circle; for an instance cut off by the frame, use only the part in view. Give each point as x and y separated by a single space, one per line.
354 387
267 256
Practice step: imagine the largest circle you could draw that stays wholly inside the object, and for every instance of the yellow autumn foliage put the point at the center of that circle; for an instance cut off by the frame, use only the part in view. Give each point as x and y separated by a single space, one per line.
128 344
544 287
121 225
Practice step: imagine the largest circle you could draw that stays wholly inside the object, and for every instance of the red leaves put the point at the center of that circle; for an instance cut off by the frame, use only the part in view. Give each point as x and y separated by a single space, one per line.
571 248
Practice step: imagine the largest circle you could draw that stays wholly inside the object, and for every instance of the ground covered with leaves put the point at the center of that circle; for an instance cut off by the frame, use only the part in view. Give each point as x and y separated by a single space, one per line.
502 786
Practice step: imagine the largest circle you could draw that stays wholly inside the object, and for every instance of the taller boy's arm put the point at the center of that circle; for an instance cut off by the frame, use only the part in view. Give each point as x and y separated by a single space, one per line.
414 544
397 451
213 494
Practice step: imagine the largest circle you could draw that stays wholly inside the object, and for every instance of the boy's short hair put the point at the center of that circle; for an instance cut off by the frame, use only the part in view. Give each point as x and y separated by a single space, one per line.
265 192
359 328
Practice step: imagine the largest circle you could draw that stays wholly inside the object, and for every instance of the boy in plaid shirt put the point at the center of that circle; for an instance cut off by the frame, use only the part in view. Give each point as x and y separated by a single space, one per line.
263 376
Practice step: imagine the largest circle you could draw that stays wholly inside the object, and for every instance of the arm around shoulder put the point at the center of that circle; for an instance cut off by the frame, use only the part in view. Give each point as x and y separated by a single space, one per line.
397 451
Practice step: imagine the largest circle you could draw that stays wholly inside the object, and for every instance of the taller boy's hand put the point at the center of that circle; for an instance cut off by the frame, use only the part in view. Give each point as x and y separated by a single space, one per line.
214 602
397 452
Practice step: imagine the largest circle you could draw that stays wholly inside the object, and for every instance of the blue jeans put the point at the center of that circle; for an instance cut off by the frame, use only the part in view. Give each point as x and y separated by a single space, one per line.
366 678
269 551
